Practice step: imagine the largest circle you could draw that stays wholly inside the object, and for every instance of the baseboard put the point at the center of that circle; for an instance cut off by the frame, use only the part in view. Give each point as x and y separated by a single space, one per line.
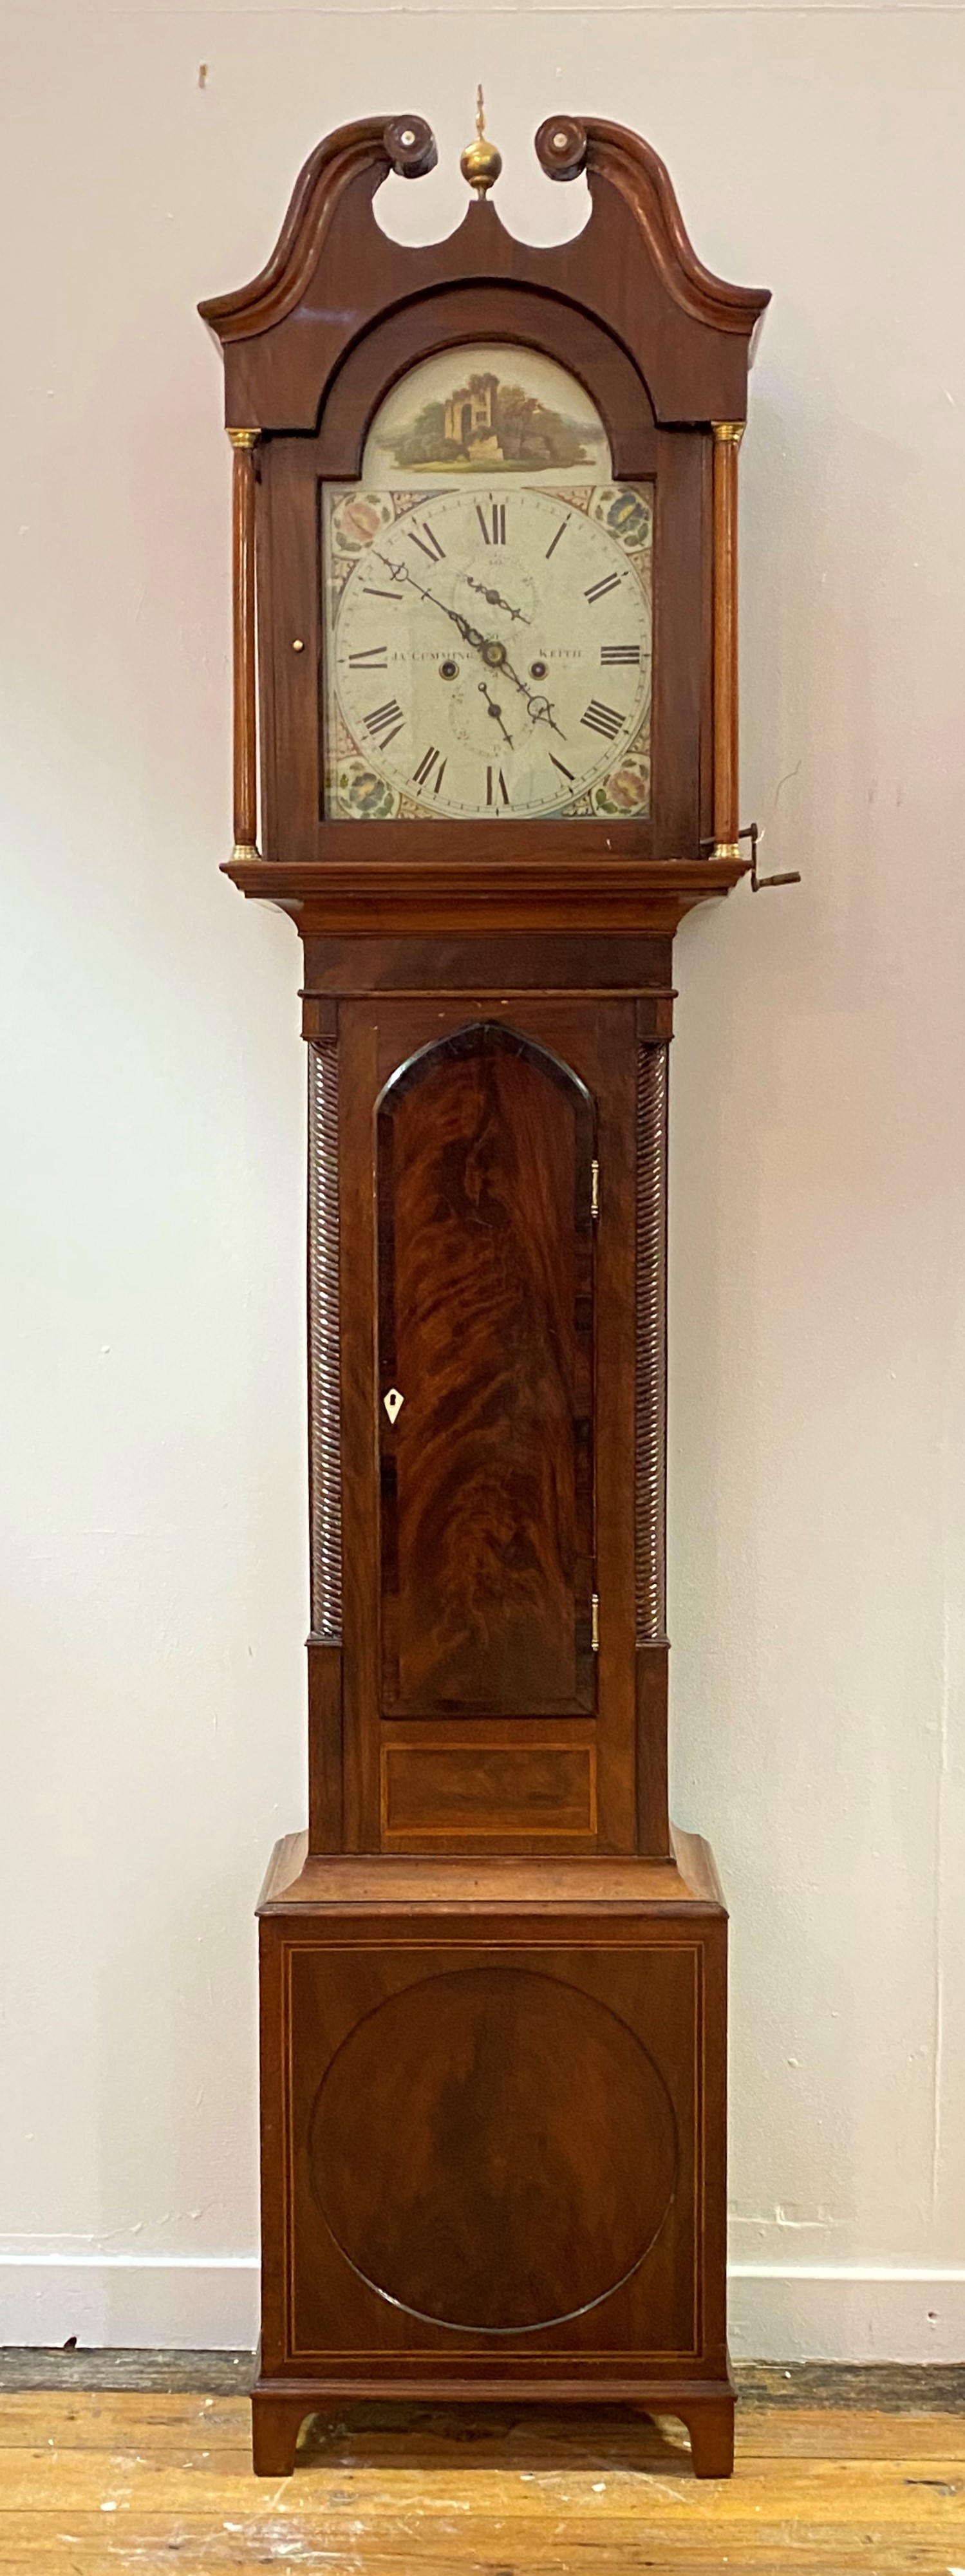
156 2300
809 2312
846 2312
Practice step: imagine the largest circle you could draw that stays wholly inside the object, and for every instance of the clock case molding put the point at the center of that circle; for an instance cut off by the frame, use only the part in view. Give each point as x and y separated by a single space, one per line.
528 1856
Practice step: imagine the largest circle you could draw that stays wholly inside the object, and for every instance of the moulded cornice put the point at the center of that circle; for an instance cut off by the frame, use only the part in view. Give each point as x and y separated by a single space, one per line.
333 274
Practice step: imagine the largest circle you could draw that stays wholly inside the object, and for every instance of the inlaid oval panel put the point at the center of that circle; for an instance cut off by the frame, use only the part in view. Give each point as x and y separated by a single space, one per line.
493 2150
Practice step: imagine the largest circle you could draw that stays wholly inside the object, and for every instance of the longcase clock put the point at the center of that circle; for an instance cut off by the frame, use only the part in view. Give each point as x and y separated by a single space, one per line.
485 756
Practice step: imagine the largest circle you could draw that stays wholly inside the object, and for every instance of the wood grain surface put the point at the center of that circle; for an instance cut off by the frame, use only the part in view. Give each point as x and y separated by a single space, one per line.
469 1561
486 1327
92 2484
481 2143
461 2100
388 1886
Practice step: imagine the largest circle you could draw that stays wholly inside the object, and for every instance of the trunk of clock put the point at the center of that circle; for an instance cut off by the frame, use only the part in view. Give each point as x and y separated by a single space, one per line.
493 2041
499 1682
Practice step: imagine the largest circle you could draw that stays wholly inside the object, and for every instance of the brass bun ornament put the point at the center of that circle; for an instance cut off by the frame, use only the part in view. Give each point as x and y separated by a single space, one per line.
481 163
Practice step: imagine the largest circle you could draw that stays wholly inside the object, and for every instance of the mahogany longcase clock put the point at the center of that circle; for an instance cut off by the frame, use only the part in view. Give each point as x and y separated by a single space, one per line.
485 715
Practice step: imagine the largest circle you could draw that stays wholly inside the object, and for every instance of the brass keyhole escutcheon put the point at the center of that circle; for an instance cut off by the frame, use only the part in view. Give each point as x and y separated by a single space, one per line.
393 1403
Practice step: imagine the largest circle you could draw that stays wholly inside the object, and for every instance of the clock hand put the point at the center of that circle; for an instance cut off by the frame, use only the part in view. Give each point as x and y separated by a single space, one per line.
541 712
470 634
496 600
539 708
496 711
492 652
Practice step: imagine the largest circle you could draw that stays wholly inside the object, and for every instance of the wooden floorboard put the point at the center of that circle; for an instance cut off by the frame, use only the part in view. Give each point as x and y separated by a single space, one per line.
208 2374
885 2387
100 2482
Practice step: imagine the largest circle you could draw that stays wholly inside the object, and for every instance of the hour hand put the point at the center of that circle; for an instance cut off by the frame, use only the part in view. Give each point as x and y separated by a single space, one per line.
470 634
494 599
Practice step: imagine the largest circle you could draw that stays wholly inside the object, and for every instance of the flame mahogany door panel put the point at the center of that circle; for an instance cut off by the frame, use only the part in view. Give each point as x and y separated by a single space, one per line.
476 1710
485 1257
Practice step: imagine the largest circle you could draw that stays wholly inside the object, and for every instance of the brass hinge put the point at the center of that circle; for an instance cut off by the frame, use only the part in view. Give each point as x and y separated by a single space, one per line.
595 1623
594 1189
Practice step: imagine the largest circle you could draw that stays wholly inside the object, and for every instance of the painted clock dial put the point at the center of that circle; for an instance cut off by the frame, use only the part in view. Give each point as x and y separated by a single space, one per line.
487 604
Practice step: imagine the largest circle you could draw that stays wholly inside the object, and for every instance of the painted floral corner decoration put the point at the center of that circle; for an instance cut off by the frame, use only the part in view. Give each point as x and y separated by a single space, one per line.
363 794
627 790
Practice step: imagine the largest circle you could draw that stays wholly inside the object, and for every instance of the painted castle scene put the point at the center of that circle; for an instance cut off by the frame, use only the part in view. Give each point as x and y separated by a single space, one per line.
488 410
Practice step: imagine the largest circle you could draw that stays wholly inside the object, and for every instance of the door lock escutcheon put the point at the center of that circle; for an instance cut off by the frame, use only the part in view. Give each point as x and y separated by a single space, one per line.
393 1403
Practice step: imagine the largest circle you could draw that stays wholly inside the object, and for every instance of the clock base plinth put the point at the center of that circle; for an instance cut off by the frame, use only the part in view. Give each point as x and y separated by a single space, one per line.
493 2138
280 2408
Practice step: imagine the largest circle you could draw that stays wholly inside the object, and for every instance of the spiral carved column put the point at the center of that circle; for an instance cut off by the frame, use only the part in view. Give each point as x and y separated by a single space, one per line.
651 1343
325 1463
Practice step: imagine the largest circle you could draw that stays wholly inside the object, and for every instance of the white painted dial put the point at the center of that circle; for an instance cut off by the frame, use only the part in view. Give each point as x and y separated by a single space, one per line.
487 650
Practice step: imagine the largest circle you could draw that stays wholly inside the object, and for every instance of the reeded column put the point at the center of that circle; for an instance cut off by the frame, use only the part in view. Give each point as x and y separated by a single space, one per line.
325 1759
650 1511
727 439
654 1024
243 608
324 1400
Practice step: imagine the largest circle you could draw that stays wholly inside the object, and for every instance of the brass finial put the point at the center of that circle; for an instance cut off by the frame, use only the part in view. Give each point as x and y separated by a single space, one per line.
481 163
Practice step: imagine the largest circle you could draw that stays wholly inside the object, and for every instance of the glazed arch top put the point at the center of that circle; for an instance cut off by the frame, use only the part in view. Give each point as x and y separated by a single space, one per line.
334 277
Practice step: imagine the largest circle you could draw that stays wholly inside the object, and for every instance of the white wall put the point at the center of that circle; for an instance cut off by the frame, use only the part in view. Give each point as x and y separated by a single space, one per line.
152 1476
